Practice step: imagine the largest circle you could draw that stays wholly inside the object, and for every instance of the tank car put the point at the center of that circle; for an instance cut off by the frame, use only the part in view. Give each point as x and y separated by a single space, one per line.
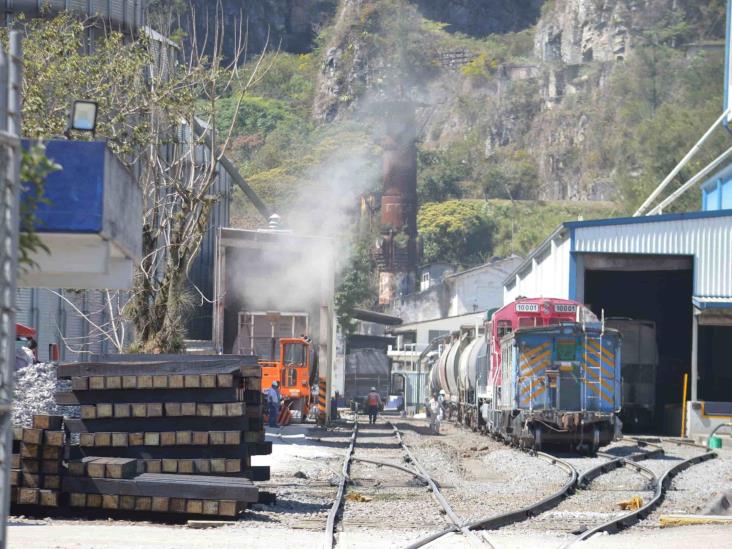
560 385
639 367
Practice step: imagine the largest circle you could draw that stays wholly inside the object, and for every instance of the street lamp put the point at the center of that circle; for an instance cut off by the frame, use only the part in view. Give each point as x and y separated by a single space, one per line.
83 117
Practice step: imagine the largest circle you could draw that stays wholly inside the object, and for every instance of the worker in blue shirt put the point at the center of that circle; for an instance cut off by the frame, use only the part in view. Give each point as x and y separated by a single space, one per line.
273 399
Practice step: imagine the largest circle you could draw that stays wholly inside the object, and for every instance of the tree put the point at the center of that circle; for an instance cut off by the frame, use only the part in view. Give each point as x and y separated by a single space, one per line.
458 232
160 118
440 175
356 287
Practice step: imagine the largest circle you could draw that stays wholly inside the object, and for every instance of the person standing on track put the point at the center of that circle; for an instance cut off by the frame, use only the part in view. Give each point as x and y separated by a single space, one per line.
273 403
373 403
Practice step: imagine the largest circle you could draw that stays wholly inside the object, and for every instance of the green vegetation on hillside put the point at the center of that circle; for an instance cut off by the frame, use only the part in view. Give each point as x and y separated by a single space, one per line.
469 232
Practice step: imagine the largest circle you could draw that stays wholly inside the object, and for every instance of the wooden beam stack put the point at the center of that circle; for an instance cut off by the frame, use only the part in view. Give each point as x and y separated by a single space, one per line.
37 467
156 432
184 415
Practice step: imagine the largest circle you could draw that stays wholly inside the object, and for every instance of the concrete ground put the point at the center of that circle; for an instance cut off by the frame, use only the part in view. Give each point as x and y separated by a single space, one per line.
297 450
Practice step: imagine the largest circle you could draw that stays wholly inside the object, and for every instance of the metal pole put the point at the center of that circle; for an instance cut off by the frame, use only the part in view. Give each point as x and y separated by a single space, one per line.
10 193
694 358
681 164
683 406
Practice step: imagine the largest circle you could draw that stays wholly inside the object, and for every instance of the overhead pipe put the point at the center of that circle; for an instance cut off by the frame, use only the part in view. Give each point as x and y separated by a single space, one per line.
670 177
693 181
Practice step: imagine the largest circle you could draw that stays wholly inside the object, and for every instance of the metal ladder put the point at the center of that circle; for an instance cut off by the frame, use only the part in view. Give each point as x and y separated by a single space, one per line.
595 381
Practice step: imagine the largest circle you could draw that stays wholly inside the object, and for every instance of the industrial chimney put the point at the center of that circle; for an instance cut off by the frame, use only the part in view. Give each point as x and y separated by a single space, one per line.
396 250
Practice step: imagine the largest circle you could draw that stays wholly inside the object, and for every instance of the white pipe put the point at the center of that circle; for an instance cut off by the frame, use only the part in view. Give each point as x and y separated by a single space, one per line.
693 181
680 165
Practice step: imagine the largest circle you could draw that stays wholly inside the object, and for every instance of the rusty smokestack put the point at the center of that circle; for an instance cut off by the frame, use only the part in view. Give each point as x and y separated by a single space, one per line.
396 250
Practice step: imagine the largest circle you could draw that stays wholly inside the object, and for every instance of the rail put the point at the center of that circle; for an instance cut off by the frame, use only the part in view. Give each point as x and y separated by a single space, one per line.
458 524
661 486
334 510
497 521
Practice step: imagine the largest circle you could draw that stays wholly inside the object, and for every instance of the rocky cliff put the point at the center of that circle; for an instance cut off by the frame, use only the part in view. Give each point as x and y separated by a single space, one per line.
525 99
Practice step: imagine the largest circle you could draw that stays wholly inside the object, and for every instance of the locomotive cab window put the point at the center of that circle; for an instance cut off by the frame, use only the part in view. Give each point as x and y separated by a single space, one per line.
295 353
530 322
504 327
291 377
566 349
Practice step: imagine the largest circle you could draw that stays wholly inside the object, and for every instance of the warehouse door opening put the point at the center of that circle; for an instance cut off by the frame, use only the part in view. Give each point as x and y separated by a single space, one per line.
662 297
715 363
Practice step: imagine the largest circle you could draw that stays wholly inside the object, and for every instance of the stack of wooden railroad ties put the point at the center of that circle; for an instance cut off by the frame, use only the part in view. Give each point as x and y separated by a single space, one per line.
168 436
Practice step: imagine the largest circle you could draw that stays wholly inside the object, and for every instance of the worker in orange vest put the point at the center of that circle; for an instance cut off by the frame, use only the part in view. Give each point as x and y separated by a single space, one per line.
373 403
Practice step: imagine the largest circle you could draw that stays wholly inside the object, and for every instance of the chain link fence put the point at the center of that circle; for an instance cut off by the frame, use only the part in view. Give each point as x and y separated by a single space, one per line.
10 90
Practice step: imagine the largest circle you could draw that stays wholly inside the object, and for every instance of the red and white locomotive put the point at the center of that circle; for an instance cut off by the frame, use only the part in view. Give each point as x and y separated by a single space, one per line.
534 367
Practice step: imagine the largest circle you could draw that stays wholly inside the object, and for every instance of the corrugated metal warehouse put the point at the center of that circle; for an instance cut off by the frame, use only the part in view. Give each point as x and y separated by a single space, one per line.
674 270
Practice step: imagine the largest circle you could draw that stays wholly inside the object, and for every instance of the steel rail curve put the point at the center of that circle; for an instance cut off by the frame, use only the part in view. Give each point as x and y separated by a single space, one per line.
333 513
619 461
661 486
415 474
496 521
458 524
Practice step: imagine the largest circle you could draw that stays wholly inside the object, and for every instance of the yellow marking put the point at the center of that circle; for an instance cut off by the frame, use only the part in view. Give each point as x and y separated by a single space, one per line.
539 367
607 355
538 392
538 358
531 385
608 373
595 377
527 356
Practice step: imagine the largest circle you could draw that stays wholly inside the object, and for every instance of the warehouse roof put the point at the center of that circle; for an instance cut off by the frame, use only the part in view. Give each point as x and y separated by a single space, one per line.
699 234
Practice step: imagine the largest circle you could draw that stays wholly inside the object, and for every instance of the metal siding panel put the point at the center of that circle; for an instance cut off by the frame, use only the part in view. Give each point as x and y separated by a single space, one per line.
709 240
48 322
24 306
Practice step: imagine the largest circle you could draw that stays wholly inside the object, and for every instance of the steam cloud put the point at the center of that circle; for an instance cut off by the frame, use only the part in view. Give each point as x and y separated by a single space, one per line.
326 206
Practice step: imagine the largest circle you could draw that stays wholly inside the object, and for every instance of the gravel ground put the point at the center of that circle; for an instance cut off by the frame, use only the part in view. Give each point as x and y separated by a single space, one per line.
384 498
480 477
34 389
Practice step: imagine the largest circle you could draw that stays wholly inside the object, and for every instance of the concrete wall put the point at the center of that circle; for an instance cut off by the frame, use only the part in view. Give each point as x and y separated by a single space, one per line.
699 425
449 324
474 290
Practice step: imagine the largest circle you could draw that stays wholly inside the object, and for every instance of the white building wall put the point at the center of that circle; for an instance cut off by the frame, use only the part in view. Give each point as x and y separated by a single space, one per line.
450 324
480 289
546 276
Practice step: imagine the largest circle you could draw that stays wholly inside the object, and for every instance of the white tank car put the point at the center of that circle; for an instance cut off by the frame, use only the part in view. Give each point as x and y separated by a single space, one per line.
452 368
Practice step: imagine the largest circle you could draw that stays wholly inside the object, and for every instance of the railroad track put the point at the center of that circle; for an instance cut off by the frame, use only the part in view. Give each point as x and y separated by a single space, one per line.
413 469
657 484
497 521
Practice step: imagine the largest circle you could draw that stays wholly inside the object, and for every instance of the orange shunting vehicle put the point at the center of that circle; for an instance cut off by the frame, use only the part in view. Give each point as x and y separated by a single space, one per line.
293 372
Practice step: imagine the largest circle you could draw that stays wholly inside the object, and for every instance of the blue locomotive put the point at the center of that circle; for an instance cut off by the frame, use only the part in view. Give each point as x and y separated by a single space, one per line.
559 384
